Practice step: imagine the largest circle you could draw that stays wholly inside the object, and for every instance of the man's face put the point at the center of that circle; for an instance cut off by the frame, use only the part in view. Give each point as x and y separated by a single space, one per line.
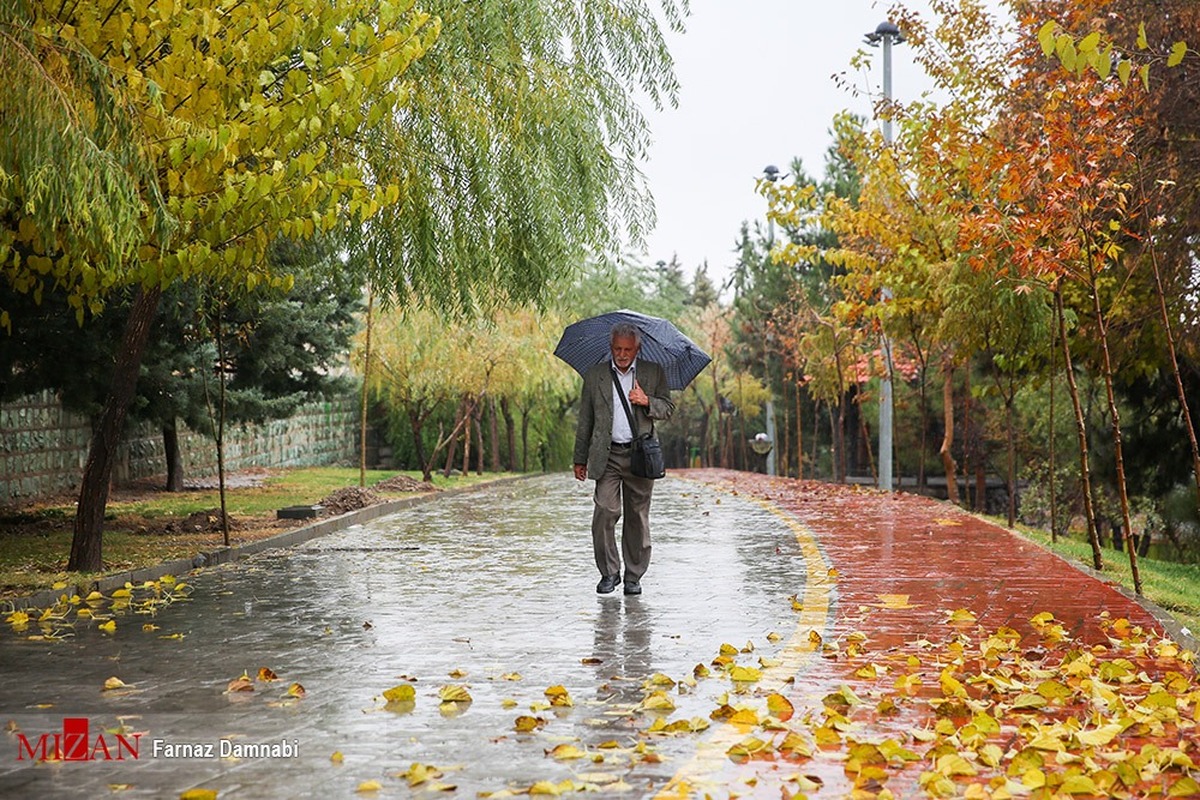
624 350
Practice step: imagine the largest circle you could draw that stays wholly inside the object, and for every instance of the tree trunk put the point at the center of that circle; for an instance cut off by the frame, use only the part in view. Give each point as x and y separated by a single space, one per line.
1118 446
1012 461
362 423
968 501
87 542
1053 471
799 438
453 444
494 432
834 447
477 422
510 431
1081 432
783 435
866 440
416 423
946 450
525 439
170 434
466 434
220 427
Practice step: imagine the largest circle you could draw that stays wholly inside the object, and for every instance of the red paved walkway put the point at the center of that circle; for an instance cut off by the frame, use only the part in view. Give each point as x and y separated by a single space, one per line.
1024 701
942 558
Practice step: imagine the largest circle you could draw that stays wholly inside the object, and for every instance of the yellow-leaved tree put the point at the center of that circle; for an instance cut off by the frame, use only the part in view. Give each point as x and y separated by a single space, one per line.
144 142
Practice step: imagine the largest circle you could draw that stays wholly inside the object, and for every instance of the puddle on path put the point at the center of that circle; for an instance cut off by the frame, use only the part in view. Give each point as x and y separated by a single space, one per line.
482 585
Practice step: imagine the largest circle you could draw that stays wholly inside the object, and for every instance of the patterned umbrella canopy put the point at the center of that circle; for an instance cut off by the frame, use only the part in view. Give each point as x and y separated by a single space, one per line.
586 343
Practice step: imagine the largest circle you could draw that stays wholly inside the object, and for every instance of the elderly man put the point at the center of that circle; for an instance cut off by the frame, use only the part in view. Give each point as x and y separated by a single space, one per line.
602 449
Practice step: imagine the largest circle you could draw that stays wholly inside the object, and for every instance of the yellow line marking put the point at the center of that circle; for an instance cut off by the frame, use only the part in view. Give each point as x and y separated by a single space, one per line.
799 651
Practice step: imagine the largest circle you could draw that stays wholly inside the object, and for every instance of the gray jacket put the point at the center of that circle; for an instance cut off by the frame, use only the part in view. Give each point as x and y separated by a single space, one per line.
593 435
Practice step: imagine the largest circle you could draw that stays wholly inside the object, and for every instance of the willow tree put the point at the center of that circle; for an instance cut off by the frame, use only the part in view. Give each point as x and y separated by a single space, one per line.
224 124
517 147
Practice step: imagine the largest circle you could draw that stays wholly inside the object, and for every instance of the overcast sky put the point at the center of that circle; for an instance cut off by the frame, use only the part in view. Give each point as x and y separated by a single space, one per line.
757 89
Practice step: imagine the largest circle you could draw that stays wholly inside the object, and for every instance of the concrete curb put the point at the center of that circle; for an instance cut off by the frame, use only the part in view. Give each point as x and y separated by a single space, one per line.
225 555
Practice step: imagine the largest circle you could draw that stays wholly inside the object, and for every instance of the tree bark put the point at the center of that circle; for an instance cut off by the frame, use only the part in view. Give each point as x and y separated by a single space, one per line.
362 423
416 423
494 432
223 378
87 542
170 434
477 421
1012 460
510 430
946 450
1118 445
453 443
1089 509
525 438
799 437
1053 471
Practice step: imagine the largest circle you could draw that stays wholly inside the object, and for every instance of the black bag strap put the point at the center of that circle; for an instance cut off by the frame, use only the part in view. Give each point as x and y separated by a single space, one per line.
633 426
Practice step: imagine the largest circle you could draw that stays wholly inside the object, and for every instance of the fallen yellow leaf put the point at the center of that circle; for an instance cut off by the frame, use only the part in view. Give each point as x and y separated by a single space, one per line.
199 794
780 707
558 696
565 752
337 757
242 684
265 674
108 627
114 683
296 690
420 773
404 693
657 701
369 786
454 694
742 674
527 724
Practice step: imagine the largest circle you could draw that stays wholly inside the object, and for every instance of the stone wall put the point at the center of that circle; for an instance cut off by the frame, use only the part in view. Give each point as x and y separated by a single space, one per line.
43 448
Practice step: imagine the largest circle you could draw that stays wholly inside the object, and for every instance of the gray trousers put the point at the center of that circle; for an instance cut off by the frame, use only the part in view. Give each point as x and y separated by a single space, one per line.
619 490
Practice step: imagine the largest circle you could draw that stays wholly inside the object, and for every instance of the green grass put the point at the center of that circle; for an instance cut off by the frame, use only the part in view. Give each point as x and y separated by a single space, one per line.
1173 587
33 555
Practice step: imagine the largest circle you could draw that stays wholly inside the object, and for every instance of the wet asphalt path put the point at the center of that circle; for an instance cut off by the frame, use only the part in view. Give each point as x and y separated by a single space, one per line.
491 591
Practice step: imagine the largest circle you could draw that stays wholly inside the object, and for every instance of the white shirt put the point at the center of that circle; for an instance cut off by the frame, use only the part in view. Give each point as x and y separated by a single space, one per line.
621 432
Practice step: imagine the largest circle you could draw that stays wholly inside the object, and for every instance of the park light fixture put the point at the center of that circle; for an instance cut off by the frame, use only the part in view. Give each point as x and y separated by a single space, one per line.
886 33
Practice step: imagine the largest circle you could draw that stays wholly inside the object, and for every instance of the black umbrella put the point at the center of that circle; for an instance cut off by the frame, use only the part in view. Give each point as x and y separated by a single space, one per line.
587 343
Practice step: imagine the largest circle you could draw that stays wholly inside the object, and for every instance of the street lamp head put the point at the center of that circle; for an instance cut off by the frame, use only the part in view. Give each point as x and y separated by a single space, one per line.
771 173
884 31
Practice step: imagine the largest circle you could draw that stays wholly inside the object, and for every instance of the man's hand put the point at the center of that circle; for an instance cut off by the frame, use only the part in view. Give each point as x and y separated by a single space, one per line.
637 397
581 472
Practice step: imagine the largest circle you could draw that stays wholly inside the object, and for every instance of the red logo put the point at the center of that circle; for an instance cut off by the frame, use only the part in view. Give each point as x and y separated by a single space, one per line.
75 743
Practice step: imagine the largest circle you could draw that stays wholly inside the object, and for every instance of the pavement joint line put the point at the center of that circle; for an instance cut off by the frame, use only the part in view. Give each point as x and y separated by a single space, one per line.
223 555
816 616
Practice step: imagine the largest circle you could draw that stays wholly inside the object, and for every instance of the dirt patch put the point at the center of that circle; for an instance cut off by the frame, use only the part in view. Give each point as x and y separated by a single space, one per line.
403 483
351 498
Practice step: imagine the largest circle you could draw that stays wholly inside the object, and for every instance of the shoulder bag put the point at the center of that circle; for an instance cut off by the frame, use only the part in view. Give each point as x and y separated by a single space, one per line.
645 454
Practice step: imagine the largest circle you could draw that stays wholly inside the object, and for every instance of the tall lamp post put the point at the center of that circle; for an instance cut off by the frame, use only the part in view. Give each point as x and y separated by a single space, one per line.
888 34
770 174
